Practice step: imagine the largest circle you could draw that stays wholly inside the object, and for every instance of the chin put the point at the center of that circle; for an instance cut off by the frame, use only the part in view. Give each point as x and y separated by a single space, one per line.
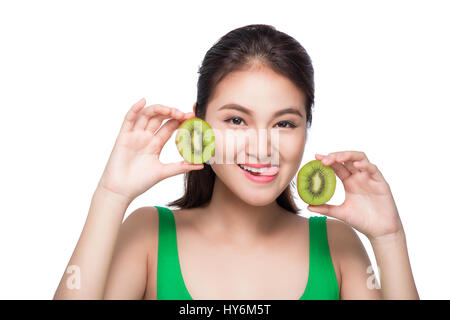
256 198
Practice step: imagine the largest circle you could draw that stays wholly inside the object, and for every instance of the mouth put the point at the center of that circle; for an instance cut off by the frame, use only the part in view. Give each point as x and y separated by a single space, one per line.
265 171
264 174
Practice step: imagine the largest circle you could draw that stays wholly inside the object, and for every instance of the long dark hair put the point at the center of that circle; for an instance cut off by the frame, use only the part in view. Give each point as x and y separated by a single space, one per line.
238 49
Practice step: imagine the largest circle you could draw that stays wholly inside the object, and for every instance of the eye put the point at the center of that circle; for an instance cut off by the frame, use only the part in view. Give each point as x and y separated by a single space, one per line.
290 124
234 118
284 124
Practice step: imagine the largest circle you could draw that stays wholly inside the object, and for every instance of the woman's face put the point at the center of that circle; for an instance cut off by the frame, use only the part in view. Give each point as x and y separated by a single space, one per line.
264 137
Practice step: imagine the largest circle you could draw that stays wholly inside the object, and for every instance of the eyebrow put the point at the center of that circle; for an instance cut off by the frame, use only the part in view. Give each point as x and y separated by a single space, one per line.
235 106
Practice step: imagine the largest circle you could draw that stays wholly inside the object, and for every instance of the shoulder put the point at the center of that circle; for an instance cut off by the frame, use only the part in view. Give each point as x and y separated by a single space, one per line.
130 263
341 232
354 262
345 246
342 236
142 215
141 226
344 243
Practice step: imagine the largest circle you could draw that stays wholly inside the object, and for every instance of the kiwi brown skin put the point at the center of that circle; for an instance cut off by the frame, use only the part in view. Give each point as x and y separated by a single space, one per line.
316 183
195 141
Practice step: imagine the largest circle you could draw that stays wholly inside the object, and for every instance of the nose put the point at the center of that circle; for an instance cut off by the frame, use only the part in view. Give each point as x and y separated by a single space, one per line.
246 146
262 147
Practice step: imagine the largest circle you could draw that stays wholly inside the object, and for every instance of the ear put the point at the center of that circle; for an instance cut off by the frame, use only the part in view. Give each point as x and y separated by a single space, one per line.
194 107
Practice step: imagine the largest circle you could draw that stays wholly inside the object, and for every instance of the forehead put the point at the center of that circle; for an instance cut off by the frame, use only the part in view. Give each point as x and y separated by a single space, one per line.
257 88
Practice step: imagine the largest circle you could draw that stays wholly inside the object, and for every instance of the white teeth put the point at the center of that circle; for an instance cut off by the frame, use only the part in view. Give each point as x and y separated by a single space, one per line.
260 170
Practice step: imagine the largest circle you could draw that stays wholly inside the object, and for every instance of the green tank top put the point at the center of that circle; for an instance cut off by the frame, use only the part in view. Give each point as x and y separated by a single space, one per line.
322 283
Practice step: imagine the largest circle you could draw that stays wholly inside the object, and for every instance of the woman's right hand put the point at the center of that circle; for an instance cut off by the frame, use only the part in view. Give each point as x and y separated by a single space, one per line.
134 166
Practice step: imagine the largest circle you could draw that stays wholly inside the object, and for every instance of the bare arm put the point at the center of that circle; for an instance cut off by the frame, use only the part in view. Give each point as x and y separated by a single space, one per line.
131 261
358 282
396 277
133 168
89 264
358 275
369 207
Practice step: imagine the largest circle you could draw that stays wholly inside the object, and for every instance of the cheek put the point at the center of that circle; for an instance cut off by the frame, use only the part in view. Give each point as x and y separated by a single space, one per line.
224 147
228 144
291 149
227 173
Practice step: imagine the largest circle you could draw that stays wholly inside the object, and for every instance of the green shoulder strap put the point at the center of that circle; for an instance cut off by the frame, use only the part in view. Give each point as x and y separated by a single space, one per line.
170 284
322 282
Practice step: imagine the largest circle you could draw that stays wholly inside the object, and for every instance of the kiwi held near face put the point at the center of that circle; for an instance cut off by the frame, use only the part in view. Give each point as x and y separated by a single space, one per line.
316 183
195 140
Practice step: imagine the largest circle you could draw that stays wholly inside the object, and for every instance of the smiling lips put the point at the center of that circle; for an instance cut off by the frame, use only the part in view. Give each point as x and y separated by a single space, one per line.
257 165
260 169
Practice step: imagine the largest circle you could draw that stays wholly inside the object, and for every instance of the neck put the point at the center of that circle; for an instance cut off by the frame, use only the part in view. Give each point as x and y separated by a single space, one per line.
240 222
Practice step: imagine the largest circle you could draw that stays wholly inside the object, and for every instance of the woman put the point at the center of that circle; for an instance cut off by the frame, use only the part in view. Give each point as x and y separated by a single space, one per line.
233 237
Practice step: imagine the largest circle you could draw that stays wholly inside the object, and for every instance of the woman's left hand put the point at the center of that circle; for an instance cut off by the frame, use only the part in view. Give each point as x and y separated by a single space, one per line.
369 206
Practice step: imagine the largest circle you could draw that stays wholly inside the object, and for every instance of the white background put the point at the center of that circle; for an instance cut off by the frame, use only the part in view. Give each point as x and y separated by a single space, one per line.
69 71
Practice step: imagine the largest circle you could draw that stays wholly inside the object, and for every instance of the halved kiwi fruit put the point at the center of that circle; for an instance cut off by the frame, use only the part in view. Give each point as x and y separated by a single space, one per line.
316 183
195 140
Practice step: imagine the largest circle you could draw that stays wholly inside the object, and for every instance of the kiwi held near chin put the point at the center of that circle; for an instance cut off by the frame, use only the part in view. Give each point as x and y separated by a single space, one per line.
316 183
195 140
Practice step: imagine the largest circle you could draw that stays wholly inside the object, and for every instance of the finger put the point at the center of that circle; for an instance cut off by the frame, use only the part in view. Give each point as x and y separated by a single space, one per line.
132 115
148 113
350 167
329 210
341 171
349 156
189 115
155 122
171 169
166 131
328 159
370 168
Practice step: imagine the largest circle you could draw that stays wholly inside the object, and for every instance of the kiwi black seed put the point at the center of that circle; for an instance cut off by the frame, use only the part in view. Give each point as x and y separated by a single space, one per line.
195 140
316 183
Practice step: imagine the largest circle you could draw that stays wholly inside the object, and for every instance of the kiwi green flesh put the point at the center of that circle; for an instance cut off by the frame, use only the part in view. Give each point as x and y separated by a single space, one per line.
316 183
195 141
